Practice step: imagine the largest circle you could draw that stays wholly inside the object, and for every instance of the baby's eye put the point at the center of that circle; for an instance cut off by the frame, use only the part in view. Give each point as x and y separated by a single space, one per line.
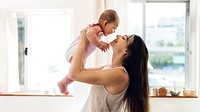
123 38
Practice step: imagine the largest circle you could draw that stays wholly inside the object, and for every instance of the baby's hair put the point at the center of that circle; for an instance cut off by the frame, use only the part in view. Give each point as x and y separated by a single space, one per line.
109 16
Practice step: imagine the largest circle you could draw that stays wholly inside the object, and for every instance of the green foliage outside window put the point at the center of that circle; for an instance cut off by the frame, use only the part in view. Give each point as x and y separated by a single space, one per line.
160 60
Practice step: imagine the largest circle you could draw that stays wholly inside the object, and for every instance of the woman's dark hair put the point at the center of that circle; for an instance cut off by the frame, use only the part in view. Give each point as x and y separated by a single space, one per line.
136 98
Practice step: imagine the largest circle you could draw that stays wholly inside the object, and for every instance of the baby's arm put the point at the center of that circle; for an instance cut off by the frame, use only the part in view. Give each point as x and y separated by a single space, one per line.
92 34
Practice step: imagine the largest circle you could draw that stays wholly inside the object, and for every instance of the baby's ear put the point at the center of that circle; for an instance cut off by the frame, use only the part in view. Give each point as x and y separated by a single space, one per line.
105 23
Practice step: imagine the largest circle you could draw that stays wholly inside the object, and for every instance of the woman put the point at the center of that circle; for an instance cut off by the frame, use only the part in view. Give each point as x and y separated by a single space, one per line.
124 85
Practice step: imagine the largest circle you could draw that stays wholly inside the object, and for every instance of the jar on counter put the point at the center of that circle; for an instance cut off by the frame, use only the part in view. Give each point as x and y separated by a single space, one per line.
162 91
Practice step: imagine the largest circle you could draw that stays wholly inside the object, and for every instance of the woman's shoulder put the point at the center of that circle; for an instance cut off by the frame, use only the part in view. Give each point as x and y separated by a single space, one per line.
123 68
118 72
118 80
118 68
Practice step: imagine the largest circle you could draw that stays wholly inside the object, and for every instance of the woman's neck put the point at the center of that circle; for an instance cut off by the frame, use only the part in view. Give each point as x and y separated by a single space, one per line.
116 60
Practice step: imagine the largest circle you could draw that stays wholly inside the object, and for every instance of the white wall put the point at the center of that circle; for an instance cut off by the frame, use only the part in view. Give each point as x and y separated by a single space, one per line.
45 104
84 6
74 104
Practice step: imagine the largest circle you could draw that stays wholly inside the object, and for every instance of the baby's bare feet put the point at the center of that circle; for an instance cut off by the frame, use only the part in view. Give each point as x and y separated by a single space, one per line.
66 92
61 87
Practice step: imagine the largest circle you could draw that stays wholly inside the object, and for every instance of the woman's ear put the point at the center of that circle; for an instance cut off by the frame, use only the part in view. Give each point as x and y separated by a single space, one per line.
125 51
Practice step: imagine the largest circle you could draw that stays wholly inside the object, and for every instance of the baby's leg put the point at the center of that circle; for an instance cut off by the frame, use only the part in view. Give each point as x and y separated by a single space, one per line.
63 84
65 81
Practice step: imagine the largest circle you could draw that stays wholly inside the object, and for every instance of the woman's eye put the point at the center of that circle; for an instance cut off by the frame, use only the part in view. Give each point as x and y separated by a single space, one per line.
123 38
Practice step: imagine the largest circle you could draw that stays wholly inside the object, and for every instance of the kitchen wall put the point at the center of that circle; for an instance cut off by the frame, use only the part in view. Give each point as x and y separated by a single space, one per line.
74 104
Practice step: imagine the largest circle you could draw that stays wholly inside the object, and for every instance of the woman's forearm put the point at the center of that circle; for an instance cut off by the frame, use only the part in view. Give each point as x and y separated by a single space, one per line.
77 64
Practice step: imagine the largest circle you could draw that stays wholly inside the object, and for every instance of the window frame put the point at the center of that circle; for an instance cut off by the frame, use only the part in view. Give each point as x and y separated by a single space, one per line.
25 13
189 77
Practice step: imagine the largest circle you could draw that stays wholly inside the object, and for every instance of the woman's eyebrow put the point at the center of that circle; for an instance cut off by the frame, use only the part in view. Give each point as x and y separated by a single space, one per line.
131 35
128 37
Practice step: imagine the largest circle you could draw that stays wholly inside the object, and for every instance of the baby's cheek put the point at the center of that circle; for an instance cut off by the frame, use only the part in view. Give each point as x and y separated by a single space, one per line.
110 32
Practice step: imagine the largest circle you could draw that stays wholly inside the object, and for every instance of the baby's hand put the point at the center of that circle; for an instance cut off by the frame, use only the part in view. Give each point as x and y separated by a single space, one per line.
104 46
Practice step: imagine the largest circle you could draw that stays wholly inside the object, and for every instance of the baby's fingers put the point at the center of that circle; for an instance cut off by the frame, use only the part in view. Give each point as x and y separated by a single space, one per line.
105 49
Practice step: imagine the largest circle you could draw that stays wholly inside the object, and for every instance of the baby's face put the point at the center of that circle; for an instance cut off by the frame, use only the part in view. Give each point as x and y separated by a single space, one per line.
110 28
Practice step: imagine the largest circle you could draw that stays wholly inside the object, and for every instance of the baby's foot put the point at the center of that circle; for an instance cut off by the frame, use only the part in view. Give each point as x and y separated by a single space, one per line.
61 87
66 90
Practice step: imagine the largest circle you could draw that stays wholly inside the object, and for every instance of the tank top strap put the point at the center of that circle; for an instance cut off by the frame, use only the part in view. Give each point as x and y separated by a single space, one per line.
123 69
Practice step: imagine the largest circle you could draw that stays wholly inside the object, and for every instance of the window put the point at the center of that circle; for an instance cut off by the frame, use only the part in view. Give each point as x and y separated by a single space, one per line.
44 36
163 26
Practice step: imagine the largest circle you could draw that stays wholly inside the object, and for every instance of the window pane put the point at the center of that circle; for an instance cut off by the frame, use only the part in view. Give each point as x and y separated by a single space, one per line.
165 38
49 39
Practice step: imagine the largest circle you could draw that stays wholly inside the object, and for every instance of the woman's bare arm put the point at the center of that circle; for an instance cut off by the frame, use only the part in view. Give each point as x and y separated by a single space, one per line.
77 64
77 71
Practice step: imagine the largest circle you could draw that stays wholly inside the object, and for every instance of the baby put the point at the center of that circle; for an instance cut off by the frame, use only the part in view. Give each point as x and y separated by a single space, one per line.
107 24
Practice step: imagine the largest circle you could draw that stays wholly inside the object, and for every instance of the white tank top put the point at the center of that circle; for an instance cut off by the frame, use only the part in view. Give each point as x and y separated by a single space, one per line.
100 100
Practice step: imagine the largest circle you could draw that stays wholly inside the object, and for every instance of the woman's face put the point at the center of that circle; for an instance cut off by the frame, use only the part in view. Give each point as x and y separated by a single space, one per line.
121 42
